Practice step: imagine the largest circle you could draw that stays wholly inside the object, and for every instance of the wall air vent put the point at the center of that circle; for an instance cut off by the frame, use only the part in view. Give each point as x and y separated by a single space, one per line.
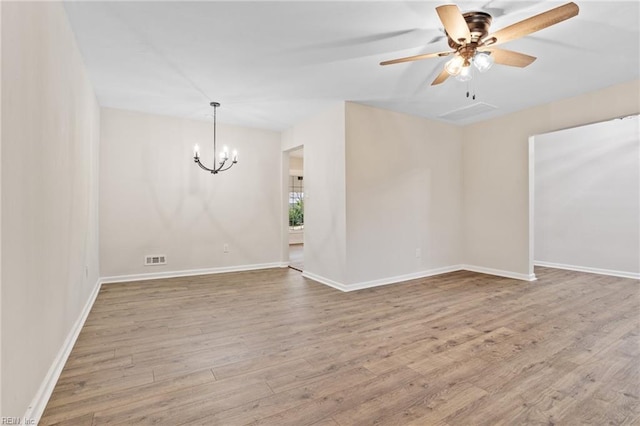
468 111
155 259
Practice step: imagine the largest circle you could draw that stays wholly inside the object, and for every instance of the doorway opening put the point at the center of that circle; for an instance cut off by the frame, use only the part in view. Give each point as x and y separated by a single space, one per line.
296 209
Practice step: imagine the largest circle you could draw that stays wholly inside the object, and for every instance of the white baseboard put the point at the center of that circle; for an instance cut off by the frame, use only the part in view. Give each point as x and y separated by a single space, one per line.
190 272
380 282
39 402
416 275
499 273
325 281
613 273
403 278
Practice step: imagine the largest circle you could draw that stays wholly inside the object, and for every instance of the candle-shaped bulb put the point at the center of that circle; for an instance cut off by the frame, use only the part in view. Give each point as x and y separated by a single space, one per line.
235 156
225 152
196 151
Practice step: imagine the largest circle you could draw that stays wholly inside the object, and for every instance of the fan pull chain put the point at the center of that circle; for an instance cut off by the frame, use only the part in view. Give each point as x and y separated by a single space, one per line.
473 84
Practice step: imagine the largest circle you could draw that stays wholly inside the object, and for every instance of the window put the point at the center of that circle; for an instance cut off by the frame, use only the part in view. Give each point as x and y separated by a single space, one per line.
296 202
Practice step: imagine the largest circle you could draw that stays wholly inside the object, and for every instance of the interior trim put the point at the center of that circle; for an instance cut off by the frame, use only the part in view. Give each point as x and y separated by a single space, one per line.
416 275
500 273
191 272
613 273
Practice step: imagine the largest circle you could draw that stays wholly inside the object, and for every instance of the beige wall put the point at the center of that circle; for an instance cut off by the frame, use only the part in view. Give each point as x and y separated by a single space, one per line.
404 193
50 131
378 186
155 200
324 179
496 167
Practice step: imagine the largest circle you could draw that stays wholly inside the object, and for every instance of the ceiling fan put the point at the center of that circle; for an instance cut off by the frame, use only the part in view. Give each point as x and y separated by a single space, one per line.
468 35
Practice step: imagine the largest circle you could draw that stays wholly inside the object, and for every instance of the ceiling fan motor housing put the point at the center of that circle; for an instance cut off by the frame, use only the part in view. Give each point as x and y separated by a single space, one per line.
478 23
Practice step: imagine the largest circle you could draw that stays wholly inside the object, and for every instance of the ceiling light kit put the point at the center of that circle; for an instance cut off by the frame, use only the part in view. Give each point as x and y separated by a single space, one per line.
468 35
224 155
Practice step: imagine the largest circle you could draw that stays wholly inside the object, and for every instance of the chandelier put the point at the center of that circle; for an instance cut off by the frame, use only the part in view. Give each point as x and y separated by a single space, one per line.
224 155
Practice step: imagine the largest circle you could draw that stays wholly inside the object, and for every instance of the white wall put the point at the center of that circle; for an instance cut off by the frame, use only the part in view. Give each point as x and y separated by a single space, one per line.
155 200
289 141
587 196
324 179
50 131
495 172
404 193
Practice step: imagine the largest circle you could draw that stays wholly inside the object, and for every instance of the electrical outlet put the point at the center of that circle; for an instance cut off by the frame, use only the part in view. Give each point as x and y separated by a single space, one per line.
418 253
225 248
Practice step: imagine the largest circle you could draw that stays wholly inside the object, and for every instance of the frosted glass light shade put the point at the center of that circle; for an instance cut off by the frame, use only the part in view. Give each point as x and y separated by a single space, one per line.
482 61
465 74
454 65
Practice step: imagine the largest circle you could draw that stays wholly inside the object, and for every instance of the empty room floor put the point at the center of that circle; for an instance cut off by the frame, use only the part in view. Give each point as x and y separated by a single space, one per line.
271 347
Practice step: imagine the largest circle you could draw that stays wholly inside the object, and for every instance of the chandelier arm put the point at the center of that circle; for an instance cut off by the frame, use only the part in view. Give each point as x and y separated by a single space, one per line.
230 165
203 167
221 165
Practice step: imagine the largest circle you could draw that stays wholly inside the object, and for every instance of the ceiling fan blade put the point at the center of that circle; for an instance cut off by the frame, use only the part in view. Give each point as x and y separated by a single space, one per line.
416 58
454 23
508 57
535 23
440 78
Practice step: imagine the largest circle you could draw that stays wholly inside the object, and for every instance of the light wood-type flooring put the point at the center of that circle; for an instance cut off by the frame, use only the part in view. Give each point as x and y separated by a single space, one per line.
272 348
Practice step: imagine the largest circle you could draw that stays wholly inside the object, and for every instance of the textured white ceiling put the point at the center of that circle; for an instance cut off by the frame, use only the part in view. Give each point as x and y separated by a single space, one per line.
271 64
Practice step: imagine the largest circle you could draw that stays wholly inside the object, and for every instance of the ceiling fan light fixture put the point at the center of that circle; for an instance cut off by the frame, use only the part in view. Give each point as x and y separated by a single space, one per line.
483 61
470 32
465 74
454 65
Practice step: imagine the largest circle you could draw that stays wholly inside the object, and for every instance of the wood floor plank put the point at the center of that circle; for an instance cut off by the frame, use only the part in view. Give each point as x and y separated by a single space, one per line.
123 397
86 420
173 407
344 399
86 388
280 401
326 422
271 347
454 399
378 409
